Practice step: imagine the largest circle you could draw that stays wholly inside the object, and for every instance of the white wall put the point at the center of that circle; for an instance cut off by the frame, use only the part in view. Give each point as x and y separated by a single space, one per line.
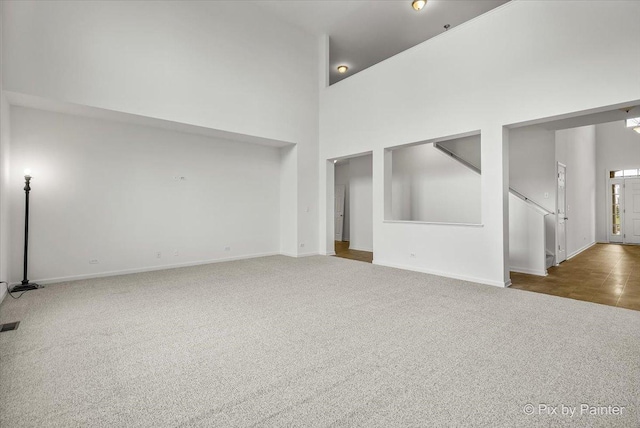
106 190
576 148
618 147
532 153
526 237
493 71
361 203
220 65
532 160
342 178
4 192
4 177
532 164
532 172
468 148
430 186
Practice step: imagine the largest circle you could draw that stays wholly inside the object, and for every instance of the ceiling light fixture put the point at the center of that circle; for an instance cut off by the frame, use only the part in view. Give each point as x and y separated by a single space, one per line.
634 124
342 69
418 4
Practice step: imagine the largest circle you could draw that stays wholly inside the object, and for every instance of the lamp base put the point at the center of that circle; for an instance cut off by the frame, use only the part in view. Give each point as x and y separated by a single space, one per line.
25 286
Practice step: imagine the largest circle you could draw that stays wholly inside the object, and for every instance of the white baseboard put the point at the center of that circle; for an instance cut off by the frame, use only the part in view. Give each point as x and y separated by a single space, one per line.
3 292
528 271
315 253
445 274
299 255
359 248
148 269
328 253
586 247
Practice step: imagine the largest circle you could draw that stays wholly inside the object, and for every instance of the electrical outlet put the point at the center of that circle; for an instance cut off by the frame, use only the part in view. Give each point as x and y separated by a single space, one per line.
546 195
176 253
93 261
302 245
412 255
158 255
227 248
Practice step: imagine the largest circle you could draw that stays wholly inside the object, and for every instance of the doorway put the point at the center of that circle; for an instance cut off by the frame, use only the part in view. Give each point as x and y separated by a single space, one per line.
340 194
590 168
353 208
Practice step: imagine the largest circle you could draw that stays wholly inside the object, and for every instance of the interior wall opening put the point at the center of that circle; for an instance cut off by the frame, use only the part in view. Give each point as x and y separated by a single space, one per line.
436 181
353 208
578 191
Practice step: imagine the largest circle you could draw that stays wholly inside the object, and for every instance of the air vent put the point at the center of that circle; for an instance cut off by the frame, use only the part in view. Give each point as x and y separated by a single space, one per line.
9 326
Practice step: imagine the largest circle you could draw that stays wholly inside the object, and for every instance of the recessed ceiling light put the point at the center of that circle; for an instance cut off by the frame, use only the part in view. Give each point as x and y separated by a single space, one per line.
418 4
342 69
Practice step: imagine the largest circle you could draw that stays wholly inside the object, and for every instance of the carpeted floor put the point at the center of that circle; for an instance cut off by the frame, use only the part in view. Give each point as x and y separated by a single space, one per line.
317 341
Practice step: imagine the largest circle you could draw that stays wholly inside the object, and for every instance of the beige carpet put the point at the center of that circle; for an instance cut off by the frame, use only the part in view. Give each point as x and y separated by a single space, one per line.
317 341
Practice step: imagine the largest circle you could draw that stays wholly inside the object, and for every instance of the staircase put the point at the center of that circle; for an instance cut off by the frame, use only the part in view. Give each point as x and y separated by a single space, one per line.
528 227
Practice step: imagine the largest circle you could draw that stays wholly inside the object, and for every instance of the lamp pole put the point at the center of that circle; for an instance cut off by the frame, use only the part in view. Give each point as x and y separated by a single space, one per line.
26 285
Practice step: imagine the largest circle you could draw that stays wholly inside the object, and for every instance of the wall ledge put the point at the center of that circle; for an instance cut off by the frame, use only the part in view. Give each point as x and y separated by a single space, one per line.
437 223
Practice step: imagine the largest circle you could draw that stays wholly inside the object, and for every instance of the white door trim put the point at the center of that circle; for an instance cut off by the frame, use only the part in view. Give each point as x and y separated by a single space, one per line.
557 211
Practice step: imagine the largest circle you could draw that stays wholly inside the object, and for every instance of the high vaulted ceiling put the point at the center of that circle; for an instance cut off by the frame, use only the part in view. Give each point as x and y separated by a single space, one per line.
363 33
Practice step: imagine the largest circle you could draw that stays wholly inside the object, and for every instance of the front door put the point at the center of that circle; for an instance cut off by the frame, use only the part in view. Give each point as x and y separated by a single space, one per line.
561 251
632 210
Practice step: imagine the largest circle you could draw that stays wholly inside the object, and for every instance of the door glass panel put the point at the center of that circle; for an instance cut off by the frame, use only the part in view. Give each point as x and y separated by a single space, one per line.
615 209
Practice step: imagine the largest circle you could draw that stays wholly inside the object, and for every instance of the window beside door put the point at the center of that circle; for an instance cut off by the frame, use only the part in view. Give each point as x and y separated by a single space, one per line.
616 220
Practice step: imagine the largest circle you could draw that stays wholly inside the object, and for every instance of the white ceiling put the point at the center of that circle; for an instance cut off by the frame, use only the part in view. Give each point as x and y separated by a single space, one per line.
363 33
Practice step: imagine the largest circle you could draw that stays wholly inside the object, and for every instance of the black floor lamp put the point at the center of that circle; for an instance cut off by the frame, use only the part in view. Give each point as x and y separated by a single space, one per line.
26 285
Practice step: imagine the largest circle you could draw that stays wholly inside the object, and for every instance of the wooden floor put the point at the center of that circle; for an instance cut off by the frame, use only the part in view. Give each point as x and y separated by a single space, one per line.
605 273
342 250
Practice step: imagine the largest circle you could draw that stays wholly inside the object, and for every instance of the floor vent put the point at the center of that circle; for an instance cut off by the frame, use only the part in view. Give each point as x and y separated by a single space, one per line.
9 326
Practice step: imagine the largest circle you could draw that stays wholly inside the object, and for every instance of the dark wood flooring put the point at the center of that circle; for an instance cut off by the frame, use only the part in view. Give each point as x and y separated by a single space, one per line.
342 250
605 273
